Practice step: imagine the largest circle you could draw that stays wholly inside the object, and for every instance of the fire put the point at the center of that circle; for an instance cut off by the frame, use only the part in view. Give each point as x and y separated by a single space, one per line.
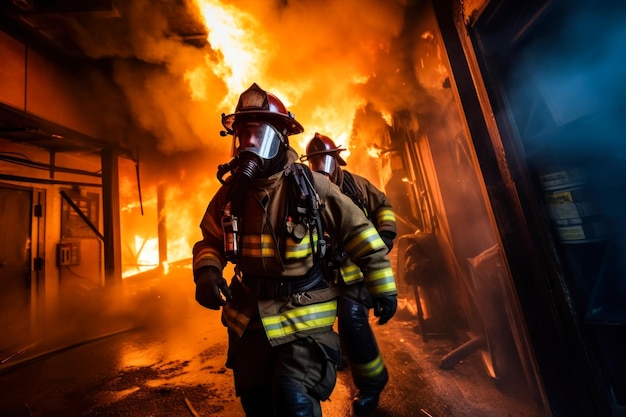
373 152
236 35
244 56
197 82
318 78
147 253
387 117
175 218
146 249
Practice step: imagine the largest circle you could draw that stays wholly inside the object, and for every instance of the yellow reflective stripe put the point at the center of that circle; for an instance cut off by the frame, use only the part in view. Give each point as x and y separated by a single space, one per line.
300 250
366 242
351 273
385 215
257 246
205 253
381 281
370 369
236 320
300 319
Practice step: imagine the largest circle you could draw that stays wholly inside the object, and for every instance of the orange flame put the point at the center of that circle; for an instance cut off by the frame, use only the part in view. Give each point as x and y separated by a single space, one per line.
319 85
236 35
241 43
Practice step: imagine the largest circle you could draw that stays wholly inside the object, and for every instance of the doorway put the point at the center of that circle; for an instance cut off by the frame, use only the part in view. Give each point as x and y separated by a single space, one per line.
15 265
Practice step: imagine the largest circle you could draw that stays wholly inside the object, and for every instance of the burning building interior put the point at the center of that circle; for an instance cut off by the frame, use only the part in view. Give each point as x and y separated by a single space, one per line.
493 126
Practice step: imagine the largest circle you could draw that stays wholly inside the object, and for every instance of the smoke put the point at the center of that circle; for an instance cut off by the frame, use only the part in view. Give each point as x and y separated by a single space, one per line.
329 61
315 55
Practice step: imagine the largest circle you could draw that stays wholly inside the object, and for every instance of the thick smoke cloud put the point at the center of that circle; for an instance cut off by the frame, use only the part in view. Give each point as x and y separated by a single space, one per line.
334 64
150 64
312 54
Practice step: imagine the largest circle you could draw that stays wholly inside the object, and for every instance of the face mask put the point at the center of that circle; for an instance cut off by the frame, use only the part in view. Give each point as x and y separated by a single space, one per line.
323 163
255 146
259 138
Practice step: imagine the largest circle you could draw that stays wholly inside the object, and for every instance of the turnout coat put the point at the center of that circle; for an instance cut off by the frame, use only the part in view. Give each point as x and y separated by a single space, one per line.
376 206
274 258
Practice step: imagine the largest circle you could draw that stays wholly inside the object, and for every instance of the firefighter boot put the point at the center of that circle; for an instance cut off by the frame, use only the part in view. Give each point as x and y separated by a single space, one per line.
365 404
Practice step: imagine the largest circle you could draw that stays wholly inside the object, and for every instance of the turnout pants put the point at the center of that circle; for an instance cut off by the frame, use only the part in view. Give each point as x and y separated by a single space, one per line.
358 341
288 380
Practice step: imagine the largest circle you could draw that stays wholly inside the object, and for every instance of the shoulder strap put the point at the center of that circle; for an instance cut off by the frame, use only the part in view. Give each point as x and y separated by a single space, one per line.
236 195
349 188
309 203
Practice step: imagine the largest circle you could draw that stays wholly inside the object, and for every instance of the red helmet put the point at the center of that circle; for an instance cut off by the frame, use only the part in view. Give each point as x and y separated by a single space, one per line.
323 145
322 155
256 103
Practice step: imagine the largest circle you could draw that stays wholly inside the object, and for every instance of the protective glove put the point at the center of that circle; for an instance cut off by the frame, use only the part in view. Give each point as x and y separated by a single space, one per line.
385 307
209 283
388 238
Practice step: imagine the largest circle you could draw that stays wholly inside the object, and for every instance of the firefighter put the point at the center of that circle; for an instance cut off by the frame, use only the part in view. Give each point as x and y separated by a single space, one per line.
357 339
269 218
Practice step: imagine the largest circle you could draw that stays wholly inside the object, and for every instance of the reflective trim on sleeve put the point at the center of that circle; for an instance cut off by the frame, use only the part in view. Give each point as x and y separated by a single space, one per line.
204 254
381 281
301 319
385 215
366 242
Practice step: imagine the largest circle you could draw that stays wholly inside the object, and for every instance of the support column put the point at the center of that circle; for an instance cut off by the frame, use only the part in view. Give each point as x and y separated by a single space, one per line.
111 218
162 224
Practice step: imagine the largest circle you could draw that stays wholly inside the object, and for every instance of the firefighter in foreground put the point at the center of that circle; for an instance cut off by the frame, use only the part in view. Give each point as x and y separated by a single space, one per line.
357 339
269 218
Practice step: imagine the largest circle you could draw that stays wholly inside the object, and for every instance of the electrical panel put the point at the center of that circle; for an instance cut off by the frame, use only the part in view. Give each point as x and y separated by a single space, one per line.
68 253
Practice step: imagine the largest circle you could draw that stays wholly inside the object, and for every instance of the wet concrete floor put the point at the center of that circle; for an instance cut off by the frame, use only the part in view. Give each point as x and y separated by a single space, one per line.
165 357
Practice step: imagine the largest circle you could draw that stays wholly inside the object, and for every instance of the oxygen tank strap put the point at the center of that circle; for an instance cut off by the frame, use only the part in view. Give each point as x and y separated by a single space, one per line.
236 195
303 179
349 188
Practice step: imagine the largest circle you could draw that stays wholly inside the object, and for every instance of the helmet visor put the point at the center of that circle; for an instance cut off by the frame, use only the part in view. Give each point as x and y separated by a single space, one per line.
322 163
257 137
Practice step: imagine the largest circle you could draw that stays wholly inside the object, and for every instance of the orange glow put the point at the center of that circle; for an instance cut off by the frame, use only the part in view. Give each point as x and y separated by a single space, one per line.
182 228
146 251
238 37
387 117
147 256
243 51
197 83
321 73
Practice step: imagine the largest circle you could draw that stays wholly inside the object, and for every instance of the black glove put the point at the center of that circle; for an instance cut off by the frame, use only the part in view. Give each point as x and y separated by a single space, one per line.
385 307
209 283
388 238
